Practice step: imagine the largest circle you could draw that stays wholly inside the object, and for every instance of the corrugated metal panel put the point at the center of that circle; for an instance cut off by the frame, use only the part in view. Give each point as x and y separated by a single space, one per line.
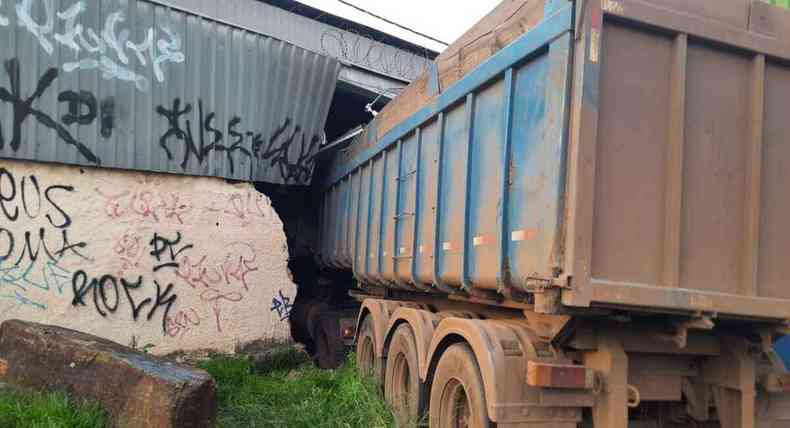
130 84
346 44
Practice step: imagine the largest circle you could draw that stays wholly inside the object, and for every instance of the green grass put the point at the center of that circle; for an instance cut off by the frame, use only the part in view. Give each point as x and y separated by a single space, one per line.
783 3
34 410
285 390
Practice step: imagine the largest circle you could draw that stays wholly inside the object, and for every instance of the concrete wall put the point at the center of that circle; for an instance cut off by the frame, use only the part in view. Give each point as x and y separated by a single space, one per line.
180 263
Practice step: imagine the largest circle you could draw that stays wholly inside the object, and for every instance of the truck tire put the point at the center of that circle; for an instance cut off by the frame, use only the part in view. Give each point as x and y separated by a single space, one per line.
457 394
367 363
402 387
300 328
329 347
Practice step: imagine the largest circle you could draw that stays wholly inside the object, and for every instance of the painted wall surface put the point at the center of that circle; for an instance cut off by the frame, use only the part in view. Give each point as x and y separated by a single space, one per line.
177 262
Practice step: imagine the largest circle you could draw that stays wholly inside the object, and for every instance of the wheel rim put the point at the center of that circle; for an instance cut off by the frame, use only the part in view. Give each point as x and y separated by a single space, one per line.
365 356
456 410
401 378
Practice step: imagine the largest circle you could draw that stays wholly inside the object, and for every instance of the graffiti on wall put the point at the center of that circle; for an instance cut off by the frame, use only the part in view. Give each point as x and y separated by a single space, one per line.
33 257
106 297
160 109
294 165
145 205
220 279
149 271
107 49
281 304
244 208
208 138
104 292
81 109
3 19
218 282
183 322
288 149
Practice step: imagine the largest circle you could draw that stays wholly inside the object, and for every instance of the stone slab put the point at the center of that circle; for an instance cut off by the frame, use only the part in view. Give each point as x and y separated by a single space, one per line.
137 389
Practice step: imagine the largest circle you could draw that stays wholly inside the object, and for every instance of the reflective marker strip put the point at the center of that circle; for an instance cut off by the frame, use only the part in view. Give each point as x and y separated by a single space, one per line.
561 376
522 235
481 240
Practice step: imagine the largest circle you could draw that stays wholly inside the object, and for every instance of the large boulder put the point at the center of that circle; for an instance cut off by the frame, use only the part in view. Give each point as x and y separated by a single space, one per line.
137 389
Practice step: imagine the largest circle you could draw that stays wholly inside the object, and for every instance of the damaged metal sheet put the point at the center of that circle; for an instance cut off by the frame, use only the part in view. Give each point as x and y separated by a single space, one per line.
129 84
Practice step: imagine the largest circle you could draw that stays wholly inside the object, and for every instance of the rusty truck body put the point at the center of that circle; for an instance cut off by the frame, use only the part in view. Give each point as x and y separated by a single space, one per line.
578 216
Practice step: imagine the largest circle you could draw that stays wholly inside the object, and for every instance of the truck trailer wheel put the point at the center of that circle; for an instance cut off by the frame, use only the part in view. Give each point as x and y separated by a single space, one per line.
402 387
329 347
457 395
367 363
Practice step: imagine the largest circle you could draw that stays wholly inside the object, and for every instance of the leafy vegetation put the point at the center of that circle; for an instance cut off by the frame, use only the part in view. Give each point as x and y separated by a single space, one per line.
782 3
35 410
286 390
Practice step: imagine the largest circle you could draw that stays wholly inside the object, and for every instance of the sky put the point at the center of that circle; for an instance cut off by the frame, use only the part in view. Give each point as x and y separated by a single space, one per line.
445 20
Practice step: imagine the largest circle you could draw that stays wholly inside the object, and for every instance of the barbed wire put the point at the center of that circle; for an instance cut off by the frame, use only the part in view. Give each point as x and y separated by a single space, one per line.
356 48
388 21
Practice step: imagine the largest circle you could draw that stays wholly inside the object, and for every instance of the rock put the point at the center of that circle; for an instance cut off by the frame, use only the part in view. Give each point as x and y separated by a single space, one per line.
138 390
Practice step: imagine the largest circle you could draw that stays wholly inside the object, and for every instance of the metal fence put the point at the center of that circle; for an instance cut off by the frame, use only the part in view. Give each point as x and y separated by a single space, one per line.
130 84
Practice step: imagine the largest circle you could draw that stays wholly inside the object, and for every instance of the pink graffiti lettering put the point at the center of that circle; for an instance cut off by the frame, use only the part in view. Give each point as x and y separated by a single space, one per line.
113 207
145 205
238 266
198 274
129 251
173 207
246 208
215 298
142 204
182 323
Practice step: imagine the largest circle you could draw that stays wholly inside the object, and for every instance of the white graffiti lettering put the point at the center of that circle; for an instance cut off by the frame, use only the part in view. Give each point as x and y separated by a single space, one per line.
109 70
24 13
73 29
3 19
109 34
170 52
111 46
98 46
146 46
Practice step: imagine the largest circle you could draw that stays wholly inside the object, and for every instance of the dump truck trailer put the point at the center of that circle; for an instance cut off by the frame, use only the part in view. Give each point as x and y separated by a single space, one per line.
578 216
